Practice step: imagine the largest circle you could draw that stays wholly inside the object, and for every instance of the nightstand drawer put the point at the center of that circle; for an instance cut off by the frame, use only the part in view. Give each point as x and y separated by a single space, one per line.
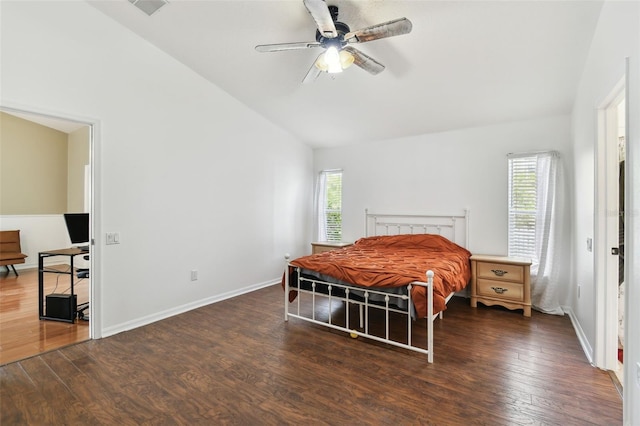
322 249
501 272
500 289
322 246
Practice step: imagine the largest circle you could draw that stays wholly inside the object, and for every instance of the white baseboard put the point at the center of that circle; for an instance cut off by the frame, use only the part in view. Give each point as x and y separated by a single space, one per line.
139 322
582 338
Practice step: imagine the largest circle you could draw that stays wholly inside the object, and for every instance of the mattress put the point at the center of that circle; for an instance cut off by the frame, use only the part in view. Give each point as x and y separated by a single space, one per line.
393 261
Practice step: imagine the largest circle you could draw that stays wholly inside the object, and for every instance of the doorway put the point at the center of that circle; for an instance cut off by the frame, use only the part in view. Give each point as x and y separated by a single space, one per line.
42 225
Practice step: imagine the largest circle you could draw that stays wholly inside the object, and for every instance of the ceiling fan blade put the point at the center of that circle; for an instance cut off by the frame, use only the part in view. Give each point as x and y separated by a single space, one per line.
384 30
313 72
365 62
320 13
287 46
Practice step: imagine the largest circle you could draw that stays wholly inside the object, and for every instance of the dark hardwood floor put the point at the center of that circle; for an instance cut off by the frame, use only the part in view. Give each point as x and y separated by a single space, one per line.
238 362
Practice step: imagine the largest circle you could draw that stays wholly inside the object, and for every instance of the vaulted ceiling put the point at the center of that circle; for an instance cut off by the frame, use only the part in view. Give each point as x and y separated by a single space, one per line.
465 63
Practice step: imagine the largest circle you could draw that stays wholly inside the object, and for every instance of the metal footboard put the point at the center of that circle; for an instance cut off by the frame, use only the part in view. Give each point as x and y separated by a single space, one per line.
346 294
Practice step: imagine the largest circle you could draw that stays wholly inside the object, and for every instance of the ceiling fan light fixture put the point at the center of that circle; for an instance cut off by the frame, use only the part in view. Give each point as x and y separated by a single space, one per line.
321 64
334 61
332 58
346 59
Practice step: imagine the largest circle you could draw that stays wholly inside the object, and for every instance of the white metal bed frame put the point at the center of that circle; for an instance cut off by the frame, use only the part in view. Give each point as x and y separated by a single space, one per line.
454 227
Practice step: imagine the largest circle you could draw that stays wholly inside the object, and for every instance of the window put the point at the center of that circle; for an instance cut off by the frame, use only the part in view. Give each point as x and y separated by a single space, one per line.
522 205
329 205
536 221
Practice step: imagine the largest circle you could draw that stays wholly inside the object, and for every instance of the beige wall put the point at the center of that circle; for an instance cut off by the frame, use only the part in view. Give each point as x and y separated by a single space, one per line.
77 159
35 168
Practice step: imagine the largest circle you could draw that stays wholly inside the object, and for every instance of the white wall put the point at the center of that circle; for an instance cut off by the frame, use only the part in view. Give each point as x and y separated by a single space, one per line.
442 173
189 177
617 37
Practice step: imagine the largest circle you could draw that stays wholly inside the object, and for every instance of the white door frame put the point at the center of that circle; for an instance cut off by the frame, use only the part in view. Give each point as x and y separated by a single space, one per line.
606 231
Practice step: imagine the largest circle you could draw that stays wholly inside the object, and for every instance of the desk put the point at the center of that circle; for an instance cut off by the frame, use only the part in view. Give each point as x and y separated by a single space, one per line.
71 253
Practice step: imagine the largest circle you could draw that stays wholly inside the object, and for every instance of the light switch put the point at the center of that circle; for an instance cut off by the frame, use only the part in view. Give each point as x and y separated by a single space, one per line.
112 238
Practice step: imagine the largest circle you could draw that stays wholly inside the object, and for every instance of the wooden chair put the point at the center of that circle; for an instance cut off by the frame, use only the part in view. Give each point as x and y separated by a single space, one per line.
10 251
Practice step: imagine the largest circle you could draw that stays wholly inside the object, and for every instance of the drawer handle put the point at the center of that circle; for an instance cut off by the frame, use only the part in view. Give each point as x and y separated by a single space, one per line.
499 272
499 290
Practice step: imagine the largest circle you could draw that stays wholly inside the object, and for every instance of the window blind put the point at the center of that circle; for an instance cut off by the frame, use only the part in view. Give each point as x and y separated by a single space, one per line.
523 207
330 205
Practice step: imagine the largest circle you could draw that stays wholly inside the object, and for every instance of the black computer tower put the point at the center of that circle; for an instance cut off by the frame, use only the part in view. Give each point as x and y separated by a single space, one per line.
61 306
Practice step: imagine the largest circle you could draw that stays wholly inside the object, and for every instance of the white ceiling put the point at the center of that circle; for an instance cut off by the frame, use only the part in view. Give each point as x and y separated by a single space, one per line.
464 64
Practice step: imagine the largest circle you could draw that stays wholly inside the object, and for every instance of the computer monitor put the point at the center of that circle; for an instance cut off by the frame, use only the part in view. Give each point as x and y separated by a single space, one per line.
78 228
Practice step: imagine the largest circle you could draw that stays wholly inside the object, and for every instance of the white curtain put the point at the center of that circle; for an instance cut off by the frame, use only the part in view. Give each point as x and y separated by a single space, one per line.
321 202
549 249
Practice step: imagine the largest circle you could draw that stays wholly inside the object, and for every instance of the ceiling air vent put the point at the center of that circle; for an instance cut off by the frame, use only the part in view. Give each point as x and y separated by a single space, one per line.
149 6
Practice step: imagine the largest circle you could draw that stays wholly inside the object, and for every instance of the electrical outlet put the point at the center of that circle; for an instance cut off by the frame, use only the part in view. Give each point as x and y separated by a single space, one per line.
194 275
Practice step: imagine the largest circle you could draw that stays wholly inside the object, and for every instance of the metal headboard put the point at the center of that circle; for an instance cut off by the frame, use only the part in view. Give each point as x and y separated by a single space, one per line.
454 227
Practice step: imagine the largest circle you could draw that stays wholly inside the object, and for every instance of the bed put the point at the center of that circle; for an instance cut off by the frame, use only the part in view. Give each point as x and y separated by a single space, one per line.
405 268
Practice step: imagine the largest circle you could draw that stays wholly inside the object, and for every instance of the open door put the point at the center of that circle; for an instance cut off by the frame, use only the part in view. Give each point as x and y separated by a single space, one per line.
610 232
621 286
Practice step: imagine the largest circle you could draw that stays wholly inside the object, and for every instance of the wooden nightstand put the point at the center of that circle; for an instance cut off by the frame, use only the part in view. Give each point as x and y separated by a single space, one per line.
504 281
322 246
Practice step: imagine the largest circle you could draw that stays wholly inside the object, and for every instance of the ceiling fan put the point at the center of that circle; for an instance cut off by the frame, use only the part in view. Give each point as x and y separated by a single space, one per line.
336 38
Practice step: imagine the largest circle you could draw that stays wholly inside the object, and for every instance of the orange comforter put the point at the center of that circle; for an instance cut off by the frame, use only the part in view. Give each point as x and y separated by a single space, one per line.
397 260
